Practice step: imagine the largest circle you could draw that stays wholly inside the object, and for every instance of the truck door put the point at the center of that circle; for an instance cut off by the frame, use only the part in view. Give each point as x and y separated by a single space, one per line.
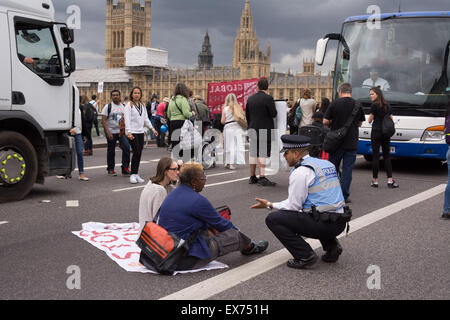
5 65
38 84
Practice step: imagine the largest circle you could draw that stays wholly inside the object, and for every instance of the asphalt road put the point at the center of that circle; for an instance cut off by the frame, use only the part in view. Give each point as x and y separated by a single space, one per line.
404 255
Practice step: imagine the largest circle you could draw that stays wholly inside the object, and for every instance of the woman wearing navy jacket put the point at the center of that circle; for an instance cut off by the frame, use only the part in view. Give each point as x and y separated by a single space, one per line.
136 118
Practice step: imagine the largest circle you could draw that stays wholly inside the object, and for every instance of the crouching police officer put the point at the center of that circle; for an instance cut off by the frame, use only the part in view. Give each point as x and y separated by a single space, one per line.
315 207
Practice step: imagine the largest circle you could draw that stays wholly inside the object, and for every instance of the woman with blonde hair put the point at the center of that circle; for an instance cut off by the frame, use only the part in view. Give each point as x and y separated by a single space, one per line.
233 132
308 107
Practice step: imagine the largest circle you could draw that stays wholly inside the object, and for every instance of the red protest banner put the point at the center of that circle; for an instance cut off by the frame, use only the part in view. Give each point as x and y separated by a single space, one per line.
218 91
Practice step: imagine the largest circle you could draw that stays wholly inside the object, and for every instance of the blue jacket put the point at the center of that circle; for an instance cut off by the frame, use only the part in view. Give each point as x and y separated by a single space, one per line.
185 211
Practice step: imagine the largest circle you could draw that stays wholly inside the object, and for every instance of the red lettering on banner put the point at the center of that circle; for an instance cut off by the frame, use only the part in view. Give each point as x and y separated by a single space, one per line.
127 256
217 93
104 235
114 246
130 234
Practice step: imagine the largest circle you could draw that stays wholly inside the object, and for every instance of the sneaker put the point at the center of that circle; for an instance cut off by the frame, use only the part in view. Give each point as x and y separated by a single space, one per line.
303 262
374 184
446 216
393 185
253 180
231 167
263 181
256 248
126 171
112 173
139 179
333 254
133 179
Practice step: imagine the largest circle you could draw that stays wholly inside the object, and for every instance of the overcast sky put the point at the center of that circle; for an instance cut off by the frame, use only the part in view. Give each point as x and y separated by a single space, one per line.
291 26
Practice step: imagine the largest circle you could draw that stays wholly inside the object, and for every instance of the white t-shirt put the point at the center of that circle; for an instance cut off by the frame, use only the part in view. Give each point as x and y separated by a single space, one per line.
382 83
114 117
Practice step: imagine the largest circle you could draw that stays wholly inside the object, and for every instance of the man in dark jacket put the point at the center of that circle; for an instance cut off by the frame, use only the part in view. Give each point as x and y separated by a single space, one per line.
260 111
335 117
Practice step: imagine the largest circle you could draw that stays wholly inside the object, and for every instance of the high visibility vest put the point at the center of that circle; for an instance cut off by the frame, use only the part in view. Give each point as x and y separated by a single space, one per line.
325 193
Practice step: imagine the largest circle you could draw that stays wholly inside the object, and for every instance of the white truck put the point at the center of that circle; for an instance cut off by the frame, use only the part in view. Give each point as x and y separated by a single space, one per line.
38 100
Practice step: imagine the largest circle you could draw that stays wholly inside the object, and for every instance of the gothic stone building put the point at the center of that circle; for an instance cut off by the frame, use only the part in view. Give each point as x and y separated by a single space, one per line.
248 62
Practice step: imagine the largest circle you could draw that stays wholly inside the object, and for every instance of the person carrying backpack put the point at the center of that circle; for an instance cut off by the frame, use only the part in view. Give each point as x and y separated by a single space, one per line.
113 123
379 109
89 115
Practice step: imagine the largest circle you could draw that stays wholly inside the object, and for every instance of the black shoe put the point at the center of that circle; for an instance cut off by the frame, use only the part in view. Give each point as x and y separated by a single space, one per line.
333 254
112 173
126 171
393 185
446 216
263 181
258 247
253 180
348 200
303 262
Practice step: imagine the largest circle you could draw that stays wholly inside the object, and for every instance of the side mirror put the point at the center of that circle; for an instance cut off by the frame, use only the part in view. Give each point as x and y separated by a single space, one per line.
67 35
69 60
321 48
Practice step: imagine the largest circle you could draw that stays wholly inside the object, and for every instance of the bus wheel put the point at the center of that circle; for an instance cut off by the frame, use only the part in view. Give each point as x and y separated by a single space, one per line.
18 166
368 157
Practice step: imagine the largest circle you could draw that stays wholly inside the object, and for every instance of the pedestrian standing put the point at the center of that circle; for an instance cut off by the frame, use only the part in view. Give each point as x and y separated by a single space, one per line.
308 107
378 110
260 112
113 123
446 210
339 111
232 132
76 132
135 119
88 113
95 105
159 121
178 111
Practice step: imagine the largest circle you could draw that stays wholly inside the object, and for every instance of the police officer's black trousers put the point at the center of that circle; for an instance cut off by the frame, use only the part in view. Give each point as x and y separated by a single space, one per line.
290 226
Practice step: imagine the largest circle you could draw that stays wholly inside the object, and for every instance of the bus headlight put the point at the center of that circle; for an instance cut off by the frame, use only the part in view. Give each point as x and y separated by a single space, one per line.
435 133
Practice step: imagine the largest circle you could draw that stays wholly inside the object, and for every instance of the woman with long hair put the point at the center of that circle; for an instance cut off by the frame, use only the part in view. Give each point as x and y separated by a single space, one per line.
308 107
136 117
379 109
232 132
157 189
178 111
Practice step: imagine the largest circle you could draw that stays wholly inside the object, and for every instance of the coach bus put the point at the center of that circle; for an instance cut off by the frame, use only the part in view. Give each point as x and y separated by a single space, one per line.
407 55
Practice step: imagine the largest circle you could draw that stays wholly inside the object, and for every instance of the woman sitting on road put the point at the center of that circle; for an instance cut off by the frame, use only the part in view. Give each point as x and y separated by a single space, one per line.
157 189
185 211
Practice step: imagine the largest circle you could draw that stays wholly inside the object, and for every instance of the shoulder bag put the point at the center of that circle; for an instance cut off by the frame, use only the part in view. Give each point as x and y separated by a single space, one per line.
334 139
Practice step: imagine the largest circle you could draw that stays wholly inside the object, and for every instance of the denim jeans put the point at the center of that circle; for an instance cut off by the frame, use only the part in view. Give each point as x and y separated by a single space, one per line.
348 158
111 153
447 189
79 145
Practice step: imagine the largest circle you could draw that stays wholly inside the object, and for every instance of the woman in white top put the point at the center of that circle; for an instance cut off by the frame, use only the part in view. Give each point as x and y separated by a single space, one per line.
232 132
157 189
136 118
308 107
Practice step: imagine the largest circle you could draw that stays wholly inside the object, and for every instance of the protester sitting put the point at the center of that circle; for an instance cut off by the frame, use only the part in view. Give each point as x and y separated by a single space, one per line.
185 211
157 189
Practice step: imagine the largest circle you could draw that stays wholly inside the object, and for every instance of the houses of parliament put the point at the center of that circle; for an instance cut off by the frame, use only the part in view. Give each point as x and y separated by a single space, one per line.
128 29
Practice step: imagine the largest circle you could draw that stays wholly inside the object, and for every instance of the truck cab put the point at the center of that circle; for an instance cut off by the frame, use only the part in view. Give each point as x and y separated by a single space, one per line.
38 100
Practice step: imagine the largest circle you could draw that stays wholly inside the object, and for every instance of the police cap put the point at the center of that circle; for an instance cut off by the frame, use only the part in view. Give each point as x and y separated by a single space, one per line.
293 141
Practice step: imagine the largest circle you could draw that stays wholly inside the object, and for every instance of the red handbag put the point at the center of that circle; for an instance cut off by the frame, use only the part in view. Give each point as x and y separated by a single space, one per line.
225 212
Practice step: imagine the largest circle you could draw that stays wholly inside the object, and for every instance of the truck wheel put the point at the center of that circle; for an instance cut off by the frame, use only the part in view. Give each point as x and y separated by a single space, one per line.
18 166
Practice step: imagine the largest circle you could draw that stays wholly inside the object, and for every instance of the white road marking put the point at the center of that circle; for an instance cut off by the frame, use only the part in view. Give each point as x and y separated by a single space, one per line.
72 203
117 165
215 285
3 222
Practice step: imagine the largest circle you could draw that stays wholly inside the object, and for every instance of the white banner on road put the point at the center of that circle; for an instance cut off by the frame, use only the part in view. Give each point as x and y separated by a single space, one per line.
118 241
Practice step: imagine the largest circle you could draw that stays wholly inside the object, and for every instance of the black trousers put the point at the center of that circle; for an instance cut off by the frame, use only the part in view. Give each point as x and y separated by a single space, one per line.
137 144
290 226
377 141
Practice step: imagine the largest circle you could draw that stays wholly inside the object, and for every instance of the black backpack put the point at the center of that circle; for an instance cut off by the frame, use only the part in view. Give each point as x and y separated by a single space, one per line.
387 126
